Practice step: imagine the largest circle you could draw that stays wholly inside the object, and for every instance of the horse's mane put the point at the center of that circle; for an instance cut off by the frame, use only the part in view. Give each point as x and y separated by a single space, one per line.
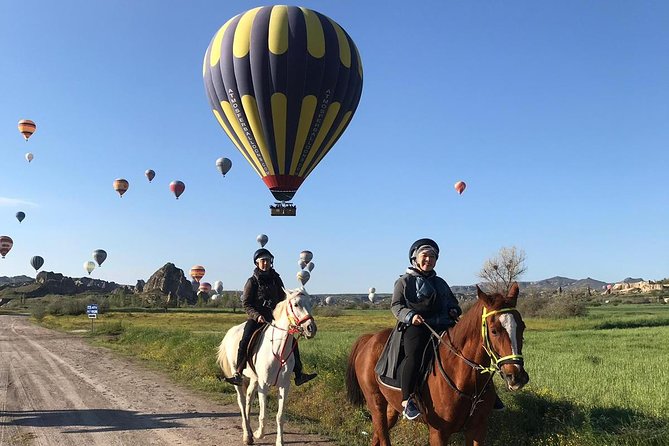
470 322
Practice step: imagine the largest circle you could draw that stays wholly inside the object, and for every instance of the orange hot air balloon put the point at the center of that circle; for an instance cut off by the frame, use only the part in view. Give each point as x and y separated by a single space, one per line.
6 244
460 187
120 186
27 128
197 272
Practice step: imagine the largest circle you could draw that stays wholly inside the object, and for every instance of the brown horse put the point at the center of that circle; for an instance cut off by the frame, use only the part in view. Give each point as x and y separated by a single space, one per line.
458 394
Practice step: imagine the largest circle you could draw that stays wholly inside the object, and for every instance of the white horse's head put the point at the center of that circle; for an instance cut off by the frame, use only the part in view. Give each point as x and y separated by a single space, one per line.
296 307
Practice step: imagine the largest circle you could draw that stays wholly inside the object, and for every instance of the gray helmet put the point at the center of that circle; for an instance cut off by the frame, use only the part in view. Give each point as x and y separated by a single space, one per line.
422 242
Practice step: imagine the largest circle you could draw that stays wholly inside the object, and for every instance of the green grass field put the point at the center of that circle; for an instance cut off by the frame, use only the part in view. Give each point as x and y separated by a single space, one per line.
598 380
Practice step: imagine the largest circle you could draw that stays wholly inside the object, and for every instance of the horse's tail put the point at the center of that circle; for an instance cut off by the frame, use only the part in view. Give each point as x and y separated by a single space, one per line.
353 390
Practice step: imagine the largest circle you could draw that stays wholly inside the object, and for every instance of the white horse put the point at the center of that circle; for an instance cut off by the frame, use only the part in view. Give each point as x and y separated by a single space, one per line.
273 359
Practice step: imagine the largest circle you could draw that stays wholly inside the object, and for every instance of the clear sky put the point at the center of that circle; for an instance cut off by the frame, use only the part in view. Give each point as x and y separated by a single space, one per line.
555 113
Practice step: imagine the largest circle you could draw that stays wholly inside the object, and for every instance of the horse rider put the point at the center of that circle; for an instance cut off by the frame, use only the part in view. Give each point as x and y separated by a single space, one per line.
262 292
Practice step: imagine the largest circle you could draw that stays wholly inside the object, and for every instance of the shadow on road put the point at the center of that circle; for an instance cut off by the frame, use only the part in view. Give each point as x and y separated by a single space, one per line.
102 420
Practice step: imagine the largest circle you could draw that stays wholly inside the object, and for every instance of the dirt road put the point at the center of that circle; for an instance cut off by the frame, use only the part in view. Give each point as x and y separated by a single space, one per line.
55 389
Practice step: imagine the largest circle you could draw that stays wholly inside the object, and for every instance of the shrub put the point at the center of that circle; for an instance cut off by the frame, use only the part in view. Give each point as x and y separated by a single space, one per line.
328 311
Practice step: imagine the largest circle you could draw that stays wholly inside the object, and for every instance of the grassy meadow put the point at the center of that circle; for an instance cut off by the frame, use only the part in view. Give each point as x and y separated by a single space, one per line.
601 379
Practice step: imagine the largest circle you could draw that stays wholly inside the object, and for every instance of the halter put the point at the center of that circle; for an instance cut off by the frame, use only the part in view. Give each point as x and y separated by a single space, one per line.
295 324
495 360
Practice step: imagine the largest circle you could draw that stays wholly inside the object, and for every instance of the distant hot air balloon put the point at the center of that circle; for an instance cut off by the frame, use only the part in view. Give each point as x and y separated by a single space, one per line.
99 255
27 128
197 272
306 256
177 187
218 286
214 297
310 266
120 186
6 244
204 287
29 156
20 215
460 187
89 266
262 240
284 83
329 300
372 290
224 165
150 174
302 264
371 296
37 262
303 277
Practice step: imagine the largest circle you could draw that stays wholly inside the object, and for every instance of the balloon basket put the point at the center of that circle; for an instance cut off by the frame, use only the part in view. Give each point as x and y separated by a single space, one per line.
283 210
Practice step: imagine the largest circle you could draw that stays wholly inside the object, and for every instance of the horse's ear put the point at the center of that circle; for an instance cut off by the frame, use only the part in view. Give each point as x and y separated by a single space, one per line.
487 300
512 296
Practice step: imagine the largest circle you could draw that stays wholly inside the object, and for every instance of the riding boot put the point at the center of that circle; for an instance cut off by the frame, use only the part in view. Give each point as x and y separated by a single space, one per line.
300 376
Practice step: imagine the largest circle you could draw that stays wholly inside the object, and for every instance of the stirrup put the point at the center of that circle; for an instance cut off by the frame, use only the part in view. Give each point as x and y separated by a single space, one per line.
236 380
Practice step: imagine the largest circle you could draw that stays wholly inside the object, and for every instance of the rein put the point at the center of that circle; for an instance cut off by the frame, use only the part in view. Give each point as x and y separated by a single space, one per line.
495 360
294 328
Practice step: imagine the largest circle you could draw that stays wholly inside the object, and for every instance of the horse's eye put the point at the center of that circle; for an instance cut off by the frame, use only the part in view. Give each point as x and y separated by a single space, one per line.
494 332
297 305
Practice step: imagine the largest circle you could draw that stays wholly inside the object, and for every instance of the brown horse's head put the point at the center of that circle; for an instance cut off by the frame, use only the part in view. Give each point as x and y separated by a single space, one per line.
502 329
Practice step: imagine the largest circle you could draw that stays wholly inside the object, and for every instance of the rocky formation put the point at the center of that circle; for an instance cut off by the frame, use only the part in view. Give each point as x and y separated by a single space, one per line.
169 283
641 286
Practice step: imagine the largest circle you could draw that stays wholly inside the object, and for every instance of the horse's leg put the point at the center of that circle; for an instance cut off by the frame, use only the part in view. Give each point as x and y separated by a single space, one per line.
250 395
284 388
263 389
392 415
439 436
379 408
243 409
476 436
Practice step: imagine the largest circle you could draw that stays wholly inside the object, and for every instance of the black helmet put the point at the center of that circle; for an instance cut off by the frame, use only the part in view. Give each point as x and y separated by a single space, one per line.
422 242
262 253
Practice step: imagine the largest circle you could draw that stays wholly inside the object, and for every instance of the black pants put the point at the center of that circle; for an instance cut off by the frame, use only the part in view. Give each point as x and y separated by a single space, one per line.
415 339
251 326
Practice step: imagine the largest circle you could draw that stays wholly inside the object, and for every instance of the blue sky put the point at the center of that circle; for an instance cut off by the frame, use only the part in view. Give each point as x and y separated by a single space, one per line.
556 114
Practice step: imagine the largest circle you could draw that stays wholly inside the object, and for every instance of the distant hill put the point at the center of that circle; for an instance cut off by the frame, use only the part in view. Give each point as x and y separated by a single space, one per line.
16 280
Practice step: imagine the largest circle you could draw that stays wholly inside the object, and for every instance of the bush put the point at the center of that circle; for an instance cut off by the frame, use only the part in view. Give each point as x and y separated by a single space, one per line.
38 313
328 312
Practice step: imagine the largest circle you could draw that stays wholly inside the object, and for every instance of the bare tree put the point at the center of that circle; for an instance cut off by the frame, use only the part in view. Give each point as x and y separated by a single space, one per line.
499 272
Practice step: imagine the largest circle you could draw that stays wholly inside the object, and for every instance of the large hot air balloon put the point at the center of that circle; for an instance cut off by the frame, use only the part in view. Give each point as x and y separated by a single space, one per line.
29 156
150 174
284 83
6 244
218 287
306 256
27 128
37 262
20 215
460 187
89 267
204 287
177 187
224 165
262 240
99 255
120 186
303 277
197 272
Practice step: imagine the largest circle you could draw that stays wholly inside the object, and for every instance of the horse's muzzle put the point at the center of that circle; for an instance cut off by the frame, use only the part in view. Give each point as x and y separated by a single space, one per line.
309 329
515 376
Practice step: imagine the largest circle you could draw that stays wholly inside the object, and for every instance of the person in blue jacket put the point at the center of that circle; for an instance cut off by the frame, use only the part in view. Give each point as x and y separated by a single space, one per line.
419 296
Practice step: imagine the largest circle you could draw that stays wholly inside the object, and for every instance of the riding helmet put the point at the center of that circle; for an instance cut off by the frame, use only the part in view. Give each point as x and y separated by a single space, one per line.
422 242
262 253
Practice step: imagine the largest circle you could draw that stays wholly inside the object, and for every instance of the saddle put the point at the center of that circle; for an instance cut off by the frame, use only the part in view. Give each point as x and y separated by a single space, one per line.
389 366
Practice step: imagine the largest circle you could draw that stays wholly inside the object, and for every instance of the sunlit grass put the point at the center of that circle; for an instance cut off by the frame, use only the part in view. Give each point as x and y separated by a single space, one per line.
589 386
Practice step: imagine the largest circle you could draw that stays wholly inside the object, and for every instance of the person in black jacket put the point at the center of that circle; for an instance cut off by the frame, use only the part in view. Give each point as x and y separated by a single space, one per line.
420 296
262 292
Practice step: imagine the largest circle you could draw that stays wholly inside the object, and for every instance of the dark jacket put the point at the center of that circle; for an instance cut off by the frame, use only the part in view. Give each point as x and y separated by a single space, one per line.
262 292
428 295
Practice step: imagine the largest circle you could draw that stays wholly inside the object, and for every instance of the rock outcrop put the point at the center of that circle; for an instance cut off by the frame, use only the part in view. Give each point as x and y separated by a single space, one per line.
169 283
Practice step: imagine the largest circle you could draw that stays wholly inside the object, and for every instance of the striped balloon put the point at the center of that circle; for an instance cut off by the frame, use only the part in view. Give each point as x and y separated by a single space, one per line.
121 186
27 128
284 83
197 272
6 244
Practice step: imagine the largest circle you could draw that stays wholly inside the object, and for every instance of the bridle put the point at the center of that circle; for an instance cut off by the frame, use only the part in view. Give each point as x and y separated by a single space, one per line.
295 323
495 360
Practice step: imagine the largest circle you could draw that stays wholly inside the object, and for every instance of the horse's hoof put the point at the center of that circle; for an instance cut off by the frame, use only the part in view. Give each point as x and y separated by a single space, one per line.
258 434
248 440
